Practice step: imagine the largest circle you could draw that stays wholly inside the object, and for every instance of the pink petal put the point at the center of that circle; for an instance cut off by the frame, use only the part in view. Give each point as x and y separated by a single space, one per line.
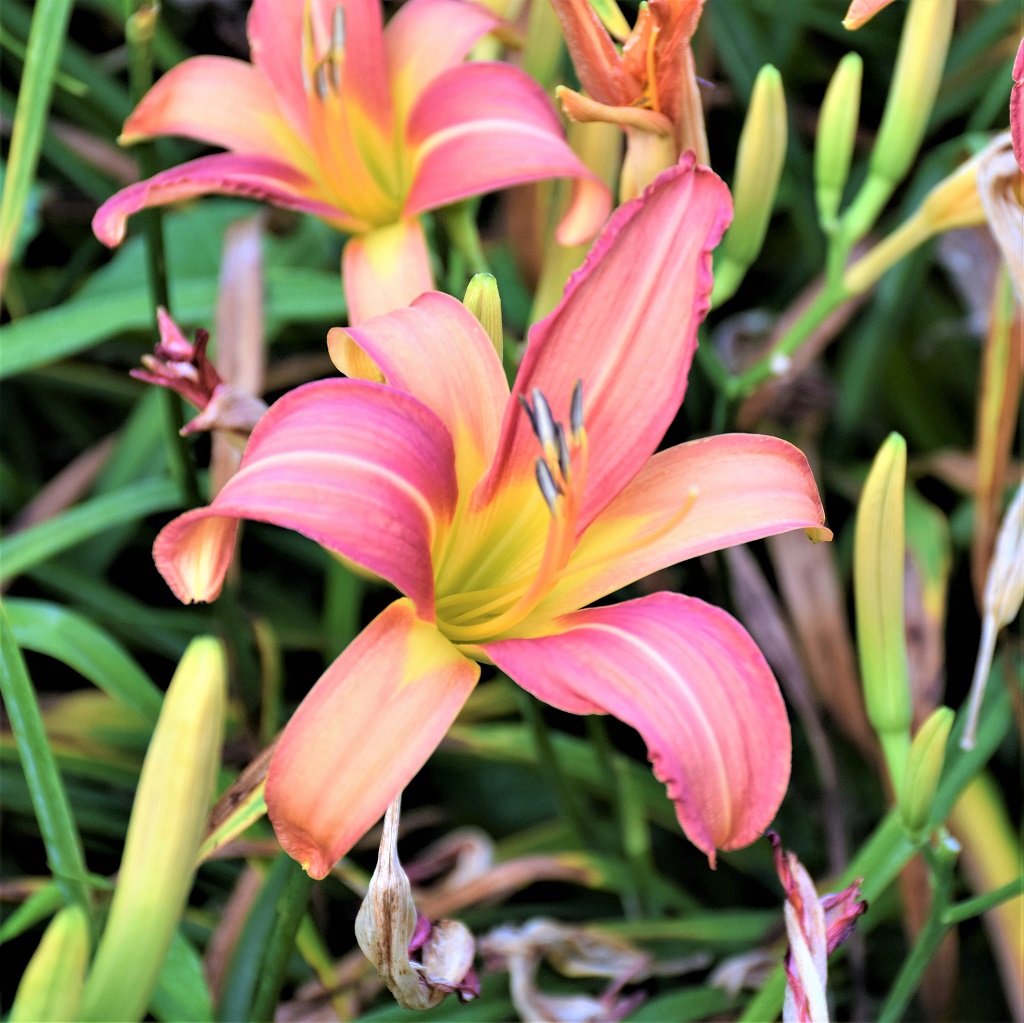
253 177
482 127
594 56
748 486
384 270
862 11
438 352
626 326
428 37
691 681
363 470
218 100
362 733
275 44
1017 107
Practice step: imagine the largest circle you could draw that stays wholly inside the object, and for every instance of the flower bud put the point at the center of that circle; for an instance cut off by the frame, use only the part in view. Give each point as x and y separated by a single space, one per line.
953 202
924 765
759 159
924 43
174 794
837 130
484 302
878 565
1004 593
52 982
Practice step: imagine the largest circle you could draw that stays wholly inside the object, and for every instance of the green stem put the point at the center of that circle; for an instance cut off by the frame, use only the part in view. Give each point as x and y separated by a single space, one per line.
140 25
548 761
290 909
983 903
941 860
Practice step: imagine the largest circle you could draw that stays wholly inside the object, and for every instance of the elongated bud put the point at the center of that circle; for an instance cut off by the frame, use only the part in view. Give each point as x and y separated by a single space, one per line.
924 765
484 302
759 159
1004 593
954 202
52 982
837 130
174 794
878 554
924 44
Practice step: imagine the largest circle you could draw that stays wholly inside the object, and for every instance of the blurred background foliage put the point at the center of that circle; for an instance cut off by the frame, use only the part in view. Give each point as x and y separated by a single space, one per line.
87 478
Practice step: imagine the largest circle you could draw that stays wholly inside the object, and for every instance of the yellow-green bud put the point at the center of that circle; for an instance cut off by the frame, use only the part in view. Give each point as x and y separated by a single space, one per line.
52 982
919 64
878 553
837 131
759 159
924 765
168 815
484 302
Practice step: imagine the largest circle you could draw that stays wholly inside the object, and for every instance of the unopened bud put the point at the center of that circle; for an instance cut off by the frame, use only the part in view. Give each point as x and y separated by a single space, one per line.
837 131
1004 593
878 566
954 202
484 302
759 159
52 982
174 794
924 765
924 44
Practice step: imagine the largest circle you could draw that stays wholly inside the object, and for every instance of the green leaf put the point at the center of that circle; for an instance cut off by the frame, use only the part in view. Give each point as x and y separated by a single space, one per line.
46 38
47 628
38 543
181 992
49 798
683 1006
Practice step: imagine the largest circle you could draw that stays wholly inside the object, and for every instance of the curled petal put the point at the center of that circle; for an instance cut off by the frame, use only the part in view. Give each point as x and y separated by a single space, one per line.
363 470
627 325
411 345
219 100
583 108
254 177
382 270
464 146
691 681
862 11
690 500
594 56
364 730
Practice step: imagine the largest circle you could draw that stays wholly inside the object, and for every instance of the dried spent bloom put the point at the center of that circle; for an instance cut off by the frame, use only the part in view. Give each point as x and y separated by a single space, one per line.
390 932
816 928
185 368
1017 106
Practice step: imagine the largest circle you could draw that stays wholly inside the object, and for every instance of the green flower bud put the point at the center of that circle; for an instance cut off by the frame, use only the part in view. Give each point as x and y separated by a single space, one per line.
759 159
837 130
52 982
168 815
924 765
878 565
484 302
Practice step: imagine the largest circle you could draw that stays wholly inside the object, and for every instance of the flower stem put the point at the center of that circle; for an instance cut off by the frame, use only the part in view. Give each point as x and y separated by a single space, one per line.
140 24
983 903
548 761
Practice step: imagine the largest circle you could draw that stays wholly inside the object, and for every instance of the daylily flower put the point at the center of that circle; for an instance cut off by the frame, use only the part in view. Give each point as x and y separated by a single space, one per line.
500 515
363 126
650 88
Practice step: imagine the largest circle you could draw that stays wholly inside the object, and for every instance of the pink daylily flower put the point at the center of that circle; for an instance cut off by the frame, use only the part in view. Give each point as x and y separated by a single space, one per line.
364 126
499 522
